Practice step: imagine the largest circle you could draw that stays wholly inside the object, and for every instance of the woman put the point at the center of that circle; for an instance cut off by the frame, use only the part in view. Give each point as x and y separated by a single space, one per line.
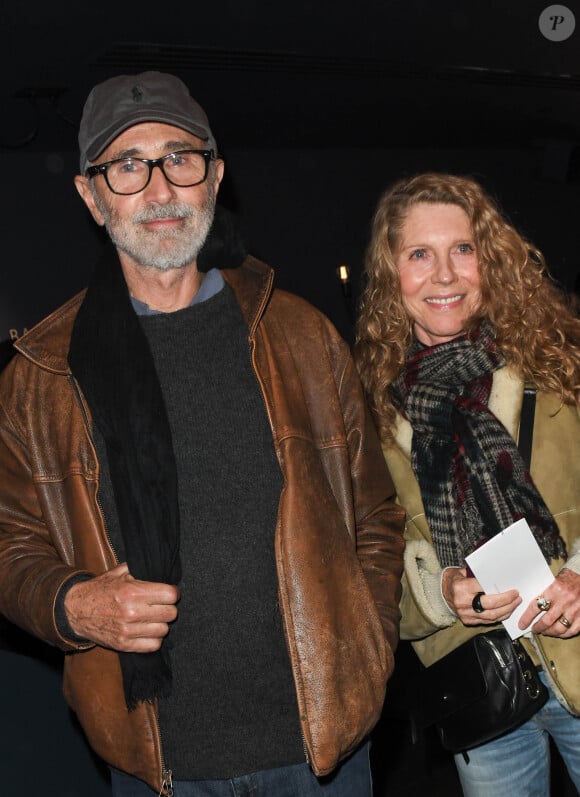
457 315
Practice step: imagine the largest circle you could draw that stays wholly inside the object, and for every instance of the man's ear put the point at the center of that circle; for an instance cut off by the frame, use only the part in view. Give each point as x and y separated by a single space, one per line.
218 174
84 189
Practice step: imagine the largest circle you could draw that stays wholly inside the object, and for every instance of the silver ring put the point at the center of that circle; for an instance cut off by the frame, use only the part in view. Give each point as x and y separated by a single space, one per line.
565 622
543 604
476 603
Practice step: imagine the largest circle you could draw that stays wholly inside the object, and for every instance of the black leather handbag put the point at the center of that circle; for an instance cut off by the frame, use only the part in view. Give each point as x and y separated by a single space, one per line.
481 690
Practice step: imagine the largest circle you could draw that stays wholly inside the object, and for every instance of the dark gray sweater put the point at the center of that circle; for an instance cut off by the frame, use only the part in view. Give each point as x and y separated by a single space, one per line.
233 708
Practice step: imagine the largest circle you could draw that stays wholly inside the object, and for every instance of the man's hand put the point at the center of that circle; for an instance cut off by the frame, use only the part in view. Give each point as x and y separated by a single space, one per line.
116 611
459 590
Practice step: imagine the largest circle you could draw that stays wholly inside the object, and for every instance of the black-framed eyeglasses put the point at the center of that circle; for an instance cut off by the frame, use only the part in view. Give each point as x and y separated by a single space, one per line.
184 168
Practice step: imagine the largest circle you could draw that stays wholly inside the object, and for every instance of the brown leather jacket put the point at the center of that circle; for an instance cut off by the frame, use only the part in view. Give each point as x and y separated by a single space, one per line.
339 540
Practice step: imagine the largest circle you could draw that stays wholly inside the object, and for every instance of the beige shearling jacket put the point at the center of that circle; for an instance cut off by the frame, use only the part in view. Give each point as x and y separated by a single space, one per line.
555 467
338 540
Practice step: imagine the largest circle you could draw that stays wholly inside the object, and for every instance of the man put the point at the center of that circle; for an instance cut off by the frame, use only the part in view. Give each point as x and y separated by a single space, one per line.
194 504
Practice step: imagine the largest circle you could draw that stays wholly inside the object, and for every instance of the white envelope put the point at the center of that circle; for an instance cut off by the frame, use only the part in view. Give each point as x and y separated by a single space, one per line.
512 560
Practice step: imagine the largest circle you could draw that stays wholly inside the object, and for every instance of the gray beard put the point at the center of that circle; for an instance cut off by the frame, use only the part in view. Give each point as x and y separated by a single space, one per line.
161 250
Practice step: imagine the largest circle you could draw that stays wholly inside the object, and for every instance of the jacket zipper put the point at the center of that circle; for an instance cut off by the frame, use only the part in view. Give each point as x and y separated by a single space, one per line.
252 344
166 773
80 401
167 777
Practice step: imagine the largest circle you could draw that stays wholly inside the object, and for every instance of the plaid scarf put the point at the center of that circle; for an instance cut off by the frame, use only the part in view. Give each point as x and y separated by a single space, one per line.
473 480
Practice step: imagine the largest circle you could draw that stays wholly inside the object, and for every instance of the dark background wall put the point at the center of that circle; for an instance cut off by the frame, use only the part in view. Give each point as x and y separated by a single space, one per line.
316 107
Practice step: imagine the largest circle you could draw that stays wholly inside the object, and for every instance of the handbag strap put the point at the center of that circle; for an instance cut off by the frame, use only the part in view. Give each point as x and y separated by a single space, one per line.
527 425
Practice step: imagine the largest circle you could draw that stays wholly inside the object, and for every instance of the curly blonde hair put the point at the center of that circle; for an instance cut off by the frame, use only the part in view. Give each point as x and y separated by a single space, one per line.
534 323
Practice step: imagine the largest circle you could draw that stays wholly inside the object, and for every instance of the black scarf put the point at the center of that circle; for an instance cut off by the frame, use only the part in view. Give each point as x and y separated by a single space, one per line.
110 358
473 480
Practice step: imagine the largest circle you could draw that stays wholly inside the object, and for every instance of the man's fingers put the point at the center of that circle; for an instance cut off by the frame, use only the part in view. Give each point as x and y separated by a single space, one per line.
119 612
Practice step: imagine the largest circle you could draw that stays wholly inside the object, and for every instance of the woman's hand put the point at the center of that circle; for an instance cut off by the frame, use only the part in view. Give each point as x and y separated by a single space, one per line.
460 590
562 618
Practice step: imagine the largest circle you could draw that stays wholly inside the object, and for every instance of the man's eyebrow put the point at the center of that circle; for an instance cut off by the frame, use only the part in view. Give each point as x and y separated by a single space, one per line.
173 145
168 147
127 153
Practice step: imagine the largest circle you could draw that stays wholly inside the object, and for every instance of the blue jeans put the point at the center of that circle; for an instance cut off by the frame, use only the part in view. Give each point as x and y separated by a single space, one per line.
518 764
351 779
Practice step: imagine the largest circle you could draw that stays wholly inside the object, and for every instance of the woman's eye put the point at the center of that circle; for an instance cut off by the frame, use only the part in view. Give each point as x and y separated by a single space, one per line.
465 249
418 254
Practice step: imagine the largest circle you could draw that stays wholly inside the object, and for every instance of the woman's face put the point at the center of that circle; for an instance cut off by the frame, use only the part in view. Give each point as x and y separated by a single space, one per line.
438 271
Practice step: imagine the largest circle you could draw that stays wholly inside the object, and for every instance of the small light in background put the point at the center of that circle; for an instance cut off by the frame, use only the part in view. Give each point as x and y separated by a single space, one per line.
343 274
344 277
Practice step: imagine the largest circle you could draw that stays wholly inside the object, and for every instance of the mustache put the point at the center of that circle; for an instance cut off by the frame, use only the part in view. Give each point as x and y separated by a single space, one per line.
173 211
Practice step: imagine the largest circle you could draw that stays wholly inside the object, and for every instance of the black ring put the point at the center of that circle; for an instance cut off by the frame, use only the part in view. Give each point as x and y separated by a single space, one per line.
476 603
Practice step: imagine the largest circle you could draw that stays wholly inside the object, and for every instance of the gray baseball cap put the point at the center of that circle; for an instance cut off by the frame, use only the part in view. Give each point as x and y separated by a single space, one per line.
125 100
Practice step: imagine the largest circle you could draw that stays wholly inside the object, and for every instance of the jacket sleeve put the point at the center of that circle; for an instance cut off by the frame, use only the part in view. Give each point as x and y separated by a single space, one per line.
424 610
378 518
32 569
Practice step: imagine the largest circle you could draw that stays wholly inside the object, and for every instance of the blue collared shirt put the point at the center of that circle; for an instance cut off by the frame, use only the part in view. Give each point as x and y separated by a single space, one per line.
212 283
